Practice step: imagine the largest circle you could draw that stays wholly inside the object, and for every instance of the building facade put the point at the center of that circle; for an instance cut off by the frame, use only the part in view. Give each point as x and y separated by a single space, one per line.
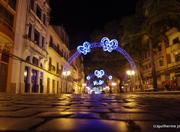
58 54
8 13
167 63
33 53
30 46
79 75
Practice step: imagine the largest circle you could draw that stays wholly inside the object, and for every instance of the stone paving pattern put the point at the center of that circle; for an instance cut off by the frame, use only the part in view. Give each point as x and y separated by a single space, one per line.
89 113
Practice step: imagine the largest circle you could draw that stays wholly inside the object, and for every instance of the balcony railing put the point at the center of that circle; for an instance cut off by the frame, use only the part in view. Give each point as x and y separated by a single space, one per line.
56 49
59 71
52 67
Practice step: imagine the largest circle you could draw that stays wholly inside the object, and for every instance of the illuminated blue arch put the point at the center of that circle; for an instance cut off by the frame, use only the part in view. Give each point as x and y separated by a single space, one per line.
98 74
108 45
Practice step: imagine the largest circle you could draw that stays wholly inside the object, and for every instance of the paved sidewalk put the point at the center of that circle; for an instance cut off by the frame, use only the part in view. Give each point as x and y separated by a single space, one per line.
159 92
90 113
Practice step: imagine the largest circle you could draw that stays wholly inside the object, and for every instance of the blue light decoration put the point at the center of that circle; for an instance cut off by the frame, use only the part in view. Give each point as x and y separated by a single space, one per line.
109 45
110 77
100 82
99 73
85 48
88 77
96 83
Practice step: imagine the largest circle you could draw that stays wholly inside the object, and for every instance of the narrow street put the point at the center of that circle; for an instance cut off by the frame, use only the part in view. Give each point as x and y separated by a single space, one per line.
103 113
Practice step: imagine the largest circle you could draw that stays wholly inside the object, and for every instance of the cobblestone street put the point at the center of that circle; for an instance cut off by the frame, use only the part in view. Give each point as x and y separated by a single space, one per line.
103 113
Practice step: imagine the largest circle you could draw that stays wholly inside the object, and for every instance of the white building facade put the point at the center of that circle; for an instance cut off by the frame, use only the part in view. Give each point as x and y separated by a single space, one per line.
30 47
40 52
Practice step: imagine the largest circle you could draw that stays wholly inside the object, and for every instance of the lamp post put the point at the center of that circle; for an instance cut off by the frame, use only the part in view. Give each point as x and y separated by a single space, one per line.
131 73
65 75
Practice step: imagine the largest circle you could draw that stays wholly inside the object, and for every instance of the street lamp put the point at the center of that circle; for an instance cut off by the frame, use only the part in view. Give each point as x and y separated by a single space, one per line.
65 74
130 73
83 84
114 84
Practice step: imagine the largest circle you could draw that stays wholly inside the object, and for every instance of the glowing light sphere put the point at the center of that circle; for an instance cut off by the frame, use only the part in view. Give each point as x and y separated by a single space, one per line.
88 77
109 45
85 48
110 77
99 73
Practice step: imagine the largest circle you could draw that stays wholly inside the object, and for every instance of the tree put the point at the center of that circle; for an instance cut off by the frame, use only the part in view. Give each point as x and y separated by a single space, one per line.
159 15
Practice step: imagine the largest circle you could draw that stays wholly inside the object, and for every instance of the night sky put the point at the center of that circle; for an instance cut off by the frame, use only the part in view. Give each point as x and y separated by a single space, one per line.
80 18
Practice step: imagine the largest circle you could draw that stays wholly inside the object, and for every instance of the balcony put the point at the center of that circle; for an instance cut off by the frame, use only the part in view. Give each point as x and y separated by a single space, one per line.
59 71
33 45
56 49
52 68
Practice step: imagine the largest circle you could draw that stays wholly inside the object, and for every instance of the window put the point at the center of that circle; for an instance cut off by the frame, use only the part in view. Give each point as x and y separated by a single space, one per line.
38 12
42 41
178 58
36 36
7 19
5 56
168 58
50 61
12 4
32 4
50 41
44 19
30 30
176 40
159 47
28 58
57 68
35 61
161 62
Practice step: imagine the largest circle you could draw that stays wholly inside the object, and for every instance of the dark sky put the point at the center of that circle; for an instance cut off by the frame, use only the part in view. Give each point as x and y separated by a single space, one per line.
80 18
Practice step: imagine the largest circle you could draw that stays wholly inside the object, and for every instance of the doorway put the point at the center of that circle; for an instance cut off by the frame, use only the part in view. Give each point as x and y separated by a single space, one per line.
34 81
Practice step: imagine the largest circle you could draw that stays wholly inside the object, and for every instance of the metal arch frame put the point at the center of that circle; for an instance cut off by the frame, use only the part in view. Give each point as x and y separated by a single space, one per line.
94 45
